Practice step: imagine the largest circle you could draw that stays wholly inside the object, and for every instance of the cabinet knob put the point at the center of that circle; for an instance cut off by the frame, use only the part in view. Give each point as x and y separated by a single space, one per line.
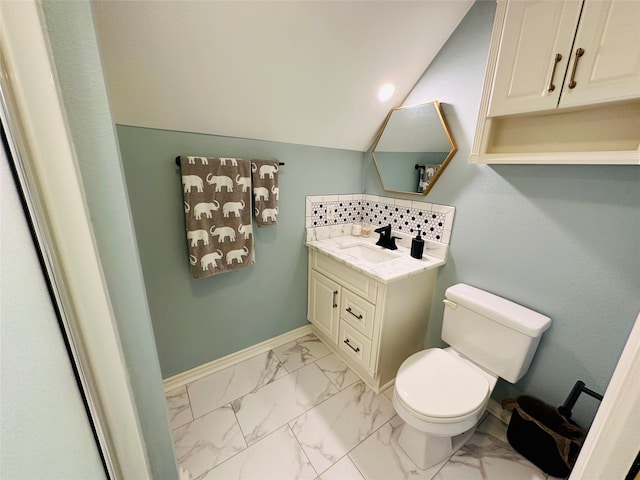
359 317
335 296
579 53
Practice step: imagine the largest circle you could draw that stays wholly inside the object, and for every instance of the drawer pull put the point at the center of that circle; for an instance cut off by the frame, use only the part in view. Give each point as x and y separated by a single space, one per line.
357 349
579 53
359 317
556 59
335 295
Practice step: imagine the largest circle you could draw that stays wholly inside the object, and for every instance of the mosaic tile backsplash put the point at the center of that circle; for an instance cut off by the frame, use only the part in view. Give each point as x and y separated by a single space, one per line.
407 217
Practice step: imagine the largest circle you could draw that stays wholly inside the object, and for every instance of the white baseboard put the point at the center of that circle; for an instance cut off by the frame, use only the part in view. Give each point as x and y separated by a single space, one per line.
495 409
202 371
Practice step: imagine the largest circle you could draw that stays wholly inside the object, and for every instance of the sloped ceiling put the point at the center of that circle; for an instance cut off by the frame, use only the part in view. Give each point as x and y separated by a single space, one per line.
303 72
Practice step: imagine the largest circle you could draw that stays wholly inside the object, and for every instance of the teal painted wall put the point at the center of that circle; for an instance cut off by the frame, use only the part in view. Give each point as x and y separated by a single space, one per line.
75 51
197 321
562 240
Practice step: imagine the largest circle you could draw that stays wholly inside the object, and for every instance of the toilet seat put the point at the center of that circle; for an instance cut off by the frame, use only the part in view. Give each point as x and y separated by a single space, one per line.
438 386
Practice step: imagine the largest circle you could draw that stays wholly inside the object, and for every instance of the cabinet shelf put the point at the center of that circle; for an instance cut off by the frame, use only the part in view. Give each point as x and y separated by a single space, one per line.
597 135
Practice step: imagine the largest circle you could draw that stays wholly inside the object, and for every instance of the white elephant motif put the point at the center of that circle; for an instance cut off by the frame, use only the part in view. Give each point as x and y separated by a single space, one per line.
267 170
205 208
190 181
269 214
220 181
261 193
193 260
222 233
209 260
196 235
236 255
203 160
245 182
187 207
276 191
234 207
246 230
234 161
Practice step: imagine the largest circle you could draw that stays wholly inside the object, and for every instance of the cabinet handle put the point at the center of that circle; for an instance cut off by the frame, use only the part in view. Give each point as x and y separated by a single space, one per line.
359 317
357 349
556 60
335 296
579 53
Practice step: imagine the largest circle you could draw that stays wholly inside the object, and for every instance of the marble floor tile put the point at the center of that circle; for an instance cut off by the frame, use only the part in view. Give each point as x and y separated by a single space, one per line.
301 352
224 386
380 457
330 430
493 426
277 456
179 407
207 441
337 371
272 406
389 392
343 469
484 457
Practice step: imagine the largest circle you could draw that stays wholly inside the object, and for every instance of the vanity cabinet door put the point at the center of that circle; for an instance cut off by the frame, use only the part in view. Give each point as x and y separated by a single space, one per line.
609 67
533 56
324 304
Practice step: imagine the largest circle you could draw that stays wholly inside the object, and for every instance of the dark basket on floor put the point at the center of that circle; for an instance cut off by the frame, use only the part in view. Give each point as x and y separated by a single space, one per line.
539 433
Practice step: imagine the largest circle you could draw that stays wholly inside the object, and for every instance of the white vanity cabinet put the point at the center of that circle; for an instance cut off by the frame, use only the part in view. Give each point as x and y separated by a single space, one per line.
372 326
537 68
562 84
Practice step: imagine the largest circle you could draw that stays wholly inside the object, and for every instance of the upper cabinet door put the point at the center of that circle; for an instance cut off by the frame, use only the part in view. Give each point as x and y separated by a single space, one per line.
608 69
534 53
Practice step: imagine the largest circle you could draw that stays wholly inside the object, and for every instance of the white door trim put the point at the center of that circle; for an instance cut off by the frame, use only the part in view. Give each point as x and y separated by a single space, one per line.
49 173
613 441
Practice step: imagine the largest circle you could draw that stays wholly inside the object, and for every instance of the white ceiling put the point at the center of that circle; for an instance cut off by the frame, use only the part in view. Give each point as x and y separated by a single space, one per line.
303 72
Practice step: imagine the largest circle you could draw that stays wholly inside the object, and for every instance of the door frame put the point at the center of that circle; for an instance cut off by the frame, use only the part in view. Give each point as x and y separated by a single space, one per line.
47 169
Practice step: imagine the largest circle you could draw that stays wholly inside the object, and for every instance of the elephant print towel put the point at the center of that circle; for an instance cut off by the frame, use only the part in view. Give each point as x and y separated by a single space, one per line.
264 174
217 207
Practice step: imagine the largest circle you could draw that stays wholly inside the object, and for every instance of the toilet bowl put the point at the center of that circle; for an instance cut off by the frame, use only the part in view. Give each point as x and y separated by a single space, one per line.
441 394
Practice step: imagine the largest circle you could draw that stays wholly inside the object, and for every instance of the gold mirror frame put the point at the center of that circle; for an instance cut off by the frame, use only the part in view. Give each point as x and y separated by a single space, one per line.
418 129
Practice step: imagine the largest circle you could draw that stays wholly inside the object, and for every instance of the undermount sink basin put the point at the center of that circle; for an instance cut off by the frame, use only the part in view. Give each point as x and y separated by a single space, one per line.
369 253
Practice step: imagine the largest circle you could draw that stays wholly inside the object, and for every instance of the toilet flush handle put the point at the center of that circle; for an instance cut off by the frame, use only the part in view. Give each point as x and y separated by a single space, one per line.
449 303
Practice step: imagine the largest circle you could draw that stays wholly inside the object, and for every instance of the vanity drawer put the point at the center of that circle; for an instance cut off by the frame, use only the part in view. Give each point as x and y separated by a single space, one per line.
357 282
357 312
354 344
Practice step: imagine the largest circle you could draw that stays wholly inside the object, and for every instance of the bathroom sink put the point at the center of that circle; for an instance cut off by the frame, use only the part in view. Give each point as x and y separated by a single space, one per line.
369 253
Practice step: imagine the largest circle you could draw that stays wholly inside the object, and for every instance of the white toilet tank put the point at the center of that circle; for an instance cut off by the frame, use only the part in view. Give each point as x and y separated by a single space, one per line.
497 334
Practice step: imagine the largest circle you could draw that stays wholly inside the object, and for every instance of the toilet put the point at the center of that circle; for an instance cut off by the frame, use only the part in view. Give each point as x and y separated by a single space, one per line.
442 394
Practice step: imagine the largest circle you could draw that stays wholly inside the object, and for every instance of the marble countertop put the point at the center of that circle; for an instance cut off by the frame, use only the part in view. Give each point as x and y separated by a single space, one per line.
404 265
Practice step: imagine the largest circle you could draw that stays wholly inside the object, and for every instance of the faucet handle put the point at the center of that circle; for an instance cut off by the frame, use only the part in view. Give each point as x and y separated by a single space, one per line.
392 243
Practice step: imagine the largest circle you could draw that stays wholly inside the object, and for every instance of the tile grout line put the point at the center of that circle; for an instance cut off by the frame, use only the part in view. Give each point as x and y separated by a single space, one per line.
303 451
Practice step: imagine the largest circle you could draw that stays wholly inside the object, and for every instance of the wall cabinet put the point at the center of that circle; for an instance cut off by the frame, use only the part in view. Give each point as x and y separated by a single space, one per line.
372 327
562 84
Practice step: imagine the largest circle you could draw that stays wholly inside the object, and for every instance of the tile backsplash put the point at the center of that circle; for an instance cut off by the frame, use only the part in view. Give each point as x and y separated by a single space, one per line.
408 217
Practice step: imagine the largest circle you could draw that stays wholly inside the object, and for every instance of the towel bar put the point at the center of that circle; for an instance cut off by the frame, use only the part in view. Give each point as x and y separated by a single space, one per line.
178 161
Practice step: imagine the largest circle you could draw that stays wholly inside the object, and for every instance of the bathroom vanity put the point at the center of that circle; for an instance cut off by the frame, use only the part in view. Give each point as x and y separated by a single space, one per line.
371 305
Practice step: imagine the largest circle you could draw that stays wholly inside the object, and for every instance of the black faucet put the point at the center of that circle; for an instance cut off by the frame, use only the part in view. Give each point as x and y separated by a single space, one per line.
386 240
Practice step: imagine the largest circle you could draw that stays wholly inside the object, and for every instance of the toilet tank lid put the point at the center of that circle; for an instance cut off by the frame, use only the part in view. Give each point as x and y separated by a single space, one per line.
499 309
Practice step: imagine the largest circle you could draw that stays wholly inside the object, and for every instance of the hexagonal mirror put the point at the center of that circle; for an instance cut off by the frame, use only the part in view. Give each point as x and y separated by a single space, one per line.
413 148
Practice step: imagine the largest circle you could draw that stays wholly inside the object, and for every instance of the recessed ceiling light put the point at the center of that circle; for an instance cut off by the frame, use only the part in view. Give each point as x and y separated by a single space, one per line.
386 91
